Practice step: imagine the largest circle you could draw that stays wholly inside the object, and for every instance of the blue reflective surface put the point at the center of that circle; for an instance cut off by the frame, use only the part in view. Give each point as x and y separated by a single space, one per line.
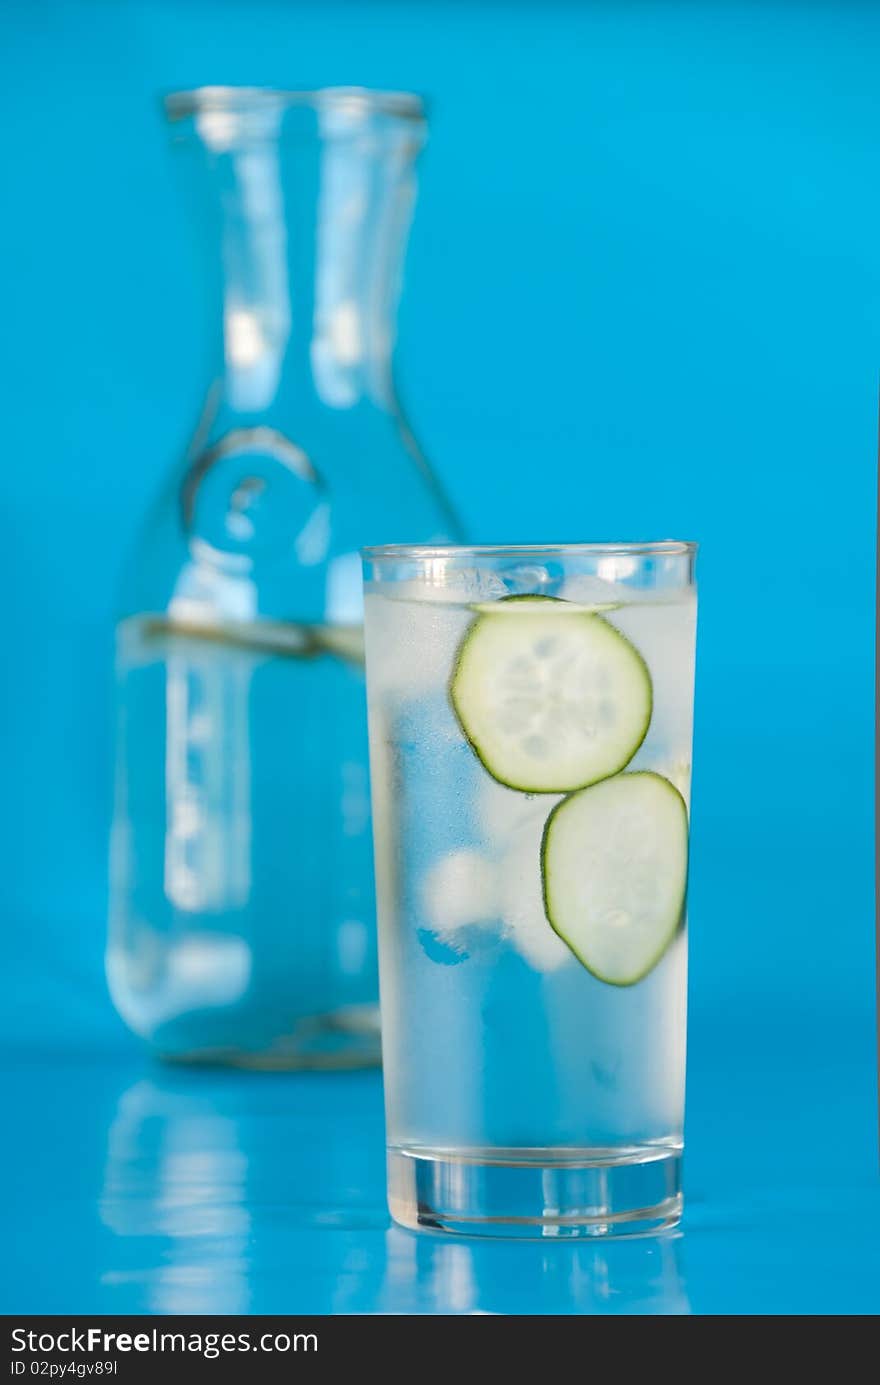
135 1188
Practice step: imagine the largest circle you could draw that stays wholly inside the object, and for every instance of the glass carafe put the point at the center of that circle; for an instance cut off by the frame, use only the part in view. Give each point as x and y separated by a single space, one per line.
242 918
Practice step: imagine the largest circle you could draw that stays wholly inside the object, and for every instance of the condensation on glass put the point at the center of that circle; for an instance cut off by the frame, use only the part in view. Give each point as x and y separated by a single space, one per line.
530 732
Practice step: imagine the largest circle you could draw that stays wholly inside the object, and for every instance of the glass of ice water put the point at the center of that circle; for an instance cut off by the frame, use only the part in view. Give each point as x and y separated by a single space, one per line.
530 742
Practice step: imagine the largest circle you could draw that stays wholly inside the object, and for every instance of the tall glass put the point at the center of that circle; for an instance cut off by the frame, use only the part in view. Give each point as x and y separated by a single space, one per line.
530 740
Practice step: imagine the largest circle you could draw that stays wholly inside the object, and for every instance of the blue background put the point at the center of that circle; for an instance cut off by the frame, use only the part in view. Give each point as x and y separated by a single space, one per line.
642 300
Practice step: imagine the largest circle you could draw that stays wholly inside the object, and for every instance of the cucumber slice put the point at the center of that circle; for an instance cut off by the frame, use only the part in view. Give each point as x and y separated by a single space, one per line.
550 696
614 866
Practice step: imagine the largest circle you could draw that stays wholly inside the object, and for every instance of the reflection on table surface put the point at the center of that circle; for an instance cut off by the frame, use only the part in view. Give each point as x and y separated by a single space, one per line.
206 1166
136 1188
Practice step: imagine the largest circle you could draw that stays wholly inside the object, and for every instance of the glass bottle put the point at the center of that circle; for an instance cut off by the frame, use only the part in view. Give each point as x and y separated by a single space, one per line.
242 915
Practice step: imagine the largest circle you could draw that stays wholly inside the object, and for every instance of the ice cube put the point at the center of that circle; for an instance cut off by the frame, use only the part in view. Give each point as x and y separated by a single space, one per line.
458 891
522 898
587 589
514 822
475 584
440 583
531 580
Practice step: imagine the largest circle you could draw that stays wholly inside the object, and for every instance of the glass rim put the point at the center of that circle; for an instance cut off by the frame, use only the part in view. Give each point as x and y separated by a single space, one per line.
180 105
402 551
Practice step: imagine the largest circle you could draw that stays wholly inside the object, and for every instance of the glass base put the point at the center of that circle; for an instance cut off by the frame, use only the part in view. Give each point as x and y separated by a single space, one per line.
345 1039
536 1193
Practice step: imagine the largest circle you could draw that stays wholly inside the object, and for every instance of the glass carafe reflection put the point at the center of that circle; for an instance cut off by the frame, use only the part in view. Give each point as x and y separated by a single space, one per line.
242 925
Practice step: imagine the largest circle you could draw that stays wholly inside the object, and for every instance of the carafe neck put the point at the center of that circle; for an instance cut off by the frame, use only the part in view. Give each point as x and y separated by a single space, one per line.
305 199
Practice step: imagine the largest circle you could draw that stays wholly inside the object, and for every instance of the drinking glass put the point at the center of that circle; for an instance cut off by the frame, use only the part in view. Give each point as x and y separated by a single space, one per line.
530 716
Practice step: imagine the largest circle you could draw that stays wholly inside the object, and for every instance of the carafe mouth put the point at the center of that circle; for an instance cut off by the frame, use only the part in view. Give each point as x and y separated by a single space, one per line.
352 101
